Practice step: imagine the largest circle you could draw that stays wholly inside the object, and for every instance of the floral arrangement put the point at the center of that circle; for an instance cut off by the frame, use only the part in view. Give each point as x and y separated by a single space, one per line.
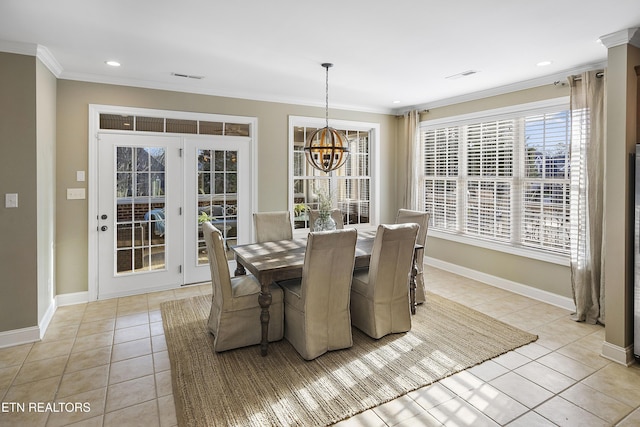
325 204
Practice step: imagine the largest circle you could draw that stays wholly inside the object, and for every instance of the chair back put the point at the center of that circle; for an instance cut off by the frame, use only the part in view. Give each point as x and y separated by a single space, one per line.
421 218
336 214
272 226
391 260
220 276
326 279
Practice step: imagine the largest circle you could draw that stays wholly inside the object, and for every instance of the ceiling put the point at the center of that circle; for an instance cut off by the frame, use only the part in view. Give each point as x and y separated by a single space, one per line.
387 56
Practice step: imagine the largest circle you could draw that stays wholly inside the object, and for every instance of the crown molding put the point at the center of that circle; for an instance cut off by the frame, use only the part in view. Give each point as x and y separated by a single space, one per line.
628 36
501 90
32 49
47 58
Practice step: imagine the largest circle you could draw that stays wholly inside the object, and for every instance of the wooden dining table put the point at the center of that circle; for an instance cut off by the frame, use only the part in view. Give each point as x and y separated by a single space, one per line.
283 259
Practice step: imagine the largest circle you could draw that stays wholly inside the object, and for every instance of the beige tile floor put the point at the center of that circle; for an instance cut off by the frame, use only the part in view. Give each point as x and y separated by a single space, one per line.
111 356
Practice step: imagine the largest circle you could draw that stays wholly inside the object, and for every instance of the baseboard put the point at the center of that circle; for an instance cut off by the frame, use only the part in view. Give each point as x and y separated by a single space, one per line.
508 285
621 355
72 298
46 319
19 336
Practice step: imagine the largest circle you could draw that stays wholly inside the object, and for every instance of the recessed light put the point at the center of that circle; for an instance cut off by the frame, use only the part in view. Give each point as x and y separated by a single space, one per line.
543 63
112 63
396 102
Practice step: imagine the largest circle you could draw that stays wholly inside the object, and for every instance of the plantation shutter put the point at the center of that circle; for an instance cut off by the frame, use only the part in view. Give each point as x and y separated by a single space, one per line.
546 186
489 179
441 147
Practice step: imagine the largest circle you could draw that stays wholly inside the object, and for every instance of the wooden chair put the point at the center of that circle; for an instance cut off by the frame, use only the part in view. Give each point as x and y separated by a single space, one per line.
380 295
234 319
317 316
422 219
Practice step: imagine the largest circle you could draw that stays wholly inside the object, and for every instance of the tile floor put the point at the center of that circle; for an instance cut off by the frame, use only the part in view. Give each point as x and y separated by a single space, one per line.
111 356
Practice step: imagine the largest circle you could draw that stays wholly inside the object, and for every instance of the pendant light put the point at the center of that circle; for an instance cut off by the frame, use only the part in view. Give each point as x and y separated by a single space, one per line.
327 149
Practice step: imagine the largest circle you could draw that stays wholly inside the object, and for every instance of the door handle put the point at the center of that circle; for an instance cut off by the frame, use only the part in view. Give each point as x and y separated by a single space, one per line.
104 228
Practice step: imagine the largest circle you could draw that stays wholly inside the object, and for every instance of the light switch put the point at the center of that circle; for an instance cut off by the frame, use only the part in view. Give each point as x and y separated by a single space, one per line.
11 200
80 176
75 193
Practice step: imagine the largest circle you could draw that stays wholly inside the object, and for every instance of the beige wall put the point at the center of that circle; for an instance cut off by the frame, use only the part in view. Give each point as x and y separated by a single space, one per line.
45 170
18 241
621 137
541 275
73 99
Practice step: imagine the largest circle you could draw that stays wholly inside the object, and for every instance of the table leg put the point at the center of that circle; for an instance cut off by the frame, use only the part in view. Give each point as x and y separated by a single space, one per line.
240 271
264 299
412 283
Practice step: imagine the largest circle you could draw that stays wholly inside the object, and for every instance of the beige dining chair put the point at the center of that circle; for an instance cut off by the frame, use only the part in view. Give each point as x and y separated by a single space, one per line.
273 226
316 306
336 214
234 319
380 295
422 219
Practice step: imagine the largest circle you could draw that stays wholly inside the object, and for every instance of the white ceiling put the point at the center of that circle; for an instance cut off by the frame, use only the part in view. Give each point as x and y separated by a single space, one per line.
382 51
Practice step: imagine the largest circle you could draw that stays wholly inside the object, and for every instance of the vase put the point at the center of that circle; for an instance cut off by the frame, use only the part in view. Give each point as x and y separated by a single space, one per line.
324 224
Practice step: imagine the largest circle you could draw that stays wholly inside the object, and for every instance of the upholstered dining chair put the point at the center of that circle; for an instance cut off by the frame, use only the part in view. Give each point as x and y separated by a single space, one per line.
422 219
234 319
316 306
273 226
336 214
380 295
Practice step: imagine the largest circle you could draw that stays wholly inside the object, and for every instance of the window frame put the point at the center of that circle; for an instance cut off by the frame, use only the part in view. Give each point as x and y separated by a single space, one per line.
373 130
504 113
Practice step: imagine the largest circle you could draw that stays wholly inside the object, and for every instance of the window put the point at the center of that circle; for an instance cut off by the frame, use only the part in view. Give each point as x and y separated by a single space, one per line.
352 187
501 177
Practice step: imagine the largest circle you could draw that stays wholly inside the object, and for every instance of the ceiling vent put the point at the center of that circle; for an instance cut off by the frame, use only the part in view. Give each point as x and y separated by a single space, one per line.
462 74
187 76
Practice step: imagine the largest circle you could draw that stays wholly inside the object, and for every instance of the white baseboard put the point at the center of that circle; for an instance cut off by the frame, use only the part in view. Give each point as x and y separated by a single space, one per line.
19 336
623 356
72 298
508 285
35 333
46 319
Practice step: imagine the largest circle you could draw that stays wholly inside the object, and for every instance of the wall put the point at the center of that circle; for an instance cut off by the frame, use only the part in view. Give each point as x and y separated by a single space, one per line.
18 240
45 170
73 99
541 275
621 115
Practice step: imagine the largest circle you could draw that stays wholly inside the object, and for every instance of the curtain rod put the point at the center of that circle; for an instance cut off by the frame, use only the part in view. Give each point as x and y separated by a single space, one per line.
599 74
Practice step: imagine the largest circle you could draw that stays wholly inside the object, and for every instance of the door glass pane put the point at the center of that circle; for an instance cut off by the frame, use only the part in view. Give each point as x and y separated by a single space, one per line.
217 200
140 219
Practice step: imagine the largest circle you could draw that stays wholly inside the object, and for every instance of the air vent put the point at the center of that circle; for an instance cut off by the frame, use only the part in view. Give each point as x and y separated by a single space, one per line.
187 76
462 74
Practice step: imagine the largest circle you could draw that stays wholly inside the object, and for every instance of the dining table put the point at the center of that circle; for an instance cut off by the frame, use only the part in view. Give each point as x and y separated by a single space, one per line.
283 259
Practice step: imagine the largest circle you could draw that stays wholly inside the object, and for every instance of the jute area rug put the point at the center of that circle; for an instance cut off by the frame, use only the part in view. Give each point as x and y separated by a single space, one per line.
242 388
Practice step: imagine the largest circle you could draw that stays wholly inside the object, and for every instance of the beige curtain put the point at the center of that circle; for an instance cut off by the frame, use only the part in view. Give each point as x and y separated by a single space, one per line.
587 176
413 160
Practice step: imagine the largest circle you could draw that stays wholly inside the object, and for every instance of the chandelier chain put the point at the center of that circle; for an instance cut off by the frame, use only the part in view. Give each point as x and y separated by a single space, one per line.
326 109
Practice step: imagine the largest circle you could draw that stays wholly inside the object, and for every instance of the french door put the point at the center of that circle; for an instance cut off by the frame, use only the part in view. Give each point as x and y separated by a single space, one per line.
218 190
139 219
153 193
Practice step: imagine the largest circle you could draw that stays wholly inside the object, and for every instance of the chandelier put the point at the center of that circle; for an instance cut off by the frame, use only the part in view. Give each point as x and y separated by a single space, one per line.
326 149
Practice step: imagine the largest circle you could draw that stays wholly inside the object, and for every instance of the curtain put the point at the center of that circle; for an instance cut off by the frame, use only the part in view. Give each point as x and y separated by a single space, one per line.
413 160
587 176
